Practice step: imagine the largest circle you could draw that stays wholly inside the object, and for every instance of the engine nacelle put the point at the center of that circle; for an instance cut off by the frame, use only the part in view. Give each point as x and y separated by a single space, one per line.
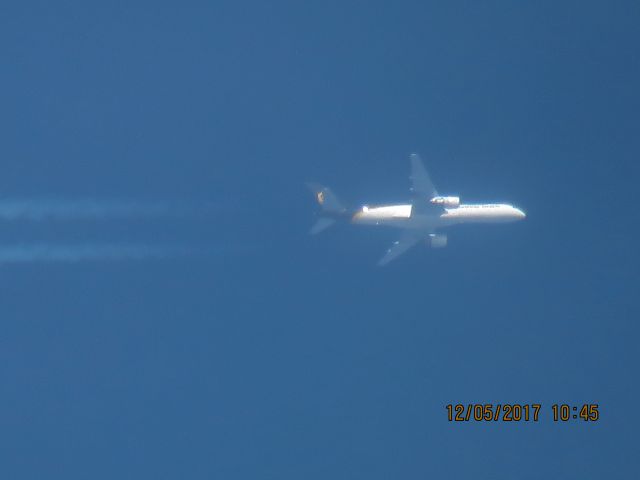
437 240
447 202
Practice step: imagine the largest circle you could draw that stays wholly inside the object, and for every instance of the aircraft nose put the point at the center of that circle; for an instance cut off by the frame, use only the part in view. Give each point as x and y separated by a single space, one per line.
520 214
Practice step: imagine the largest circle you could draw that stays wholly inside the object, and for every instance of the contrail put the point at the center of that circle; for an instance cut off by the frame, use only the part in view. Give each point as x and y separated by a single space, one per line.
14 254
86 209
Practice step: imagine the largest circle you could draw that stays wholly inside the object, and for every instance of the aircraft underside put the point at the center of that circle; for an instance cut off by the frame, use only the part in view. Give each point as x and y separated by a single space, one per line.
417 221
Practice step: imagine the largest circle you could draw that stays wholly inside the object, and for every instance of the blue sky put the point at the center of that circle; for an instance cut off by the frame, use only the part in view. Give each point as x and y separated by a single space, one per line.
280 355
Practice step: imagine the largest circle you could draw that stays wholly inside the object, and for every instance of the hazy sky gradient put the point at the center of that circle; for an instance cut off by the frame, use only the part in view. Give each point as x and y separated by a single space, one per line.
293 356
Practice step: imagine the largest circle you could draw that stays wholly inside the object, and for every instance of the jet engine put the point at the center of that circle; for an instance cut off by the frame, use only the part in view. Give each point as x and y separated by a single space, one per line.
437 240
447 202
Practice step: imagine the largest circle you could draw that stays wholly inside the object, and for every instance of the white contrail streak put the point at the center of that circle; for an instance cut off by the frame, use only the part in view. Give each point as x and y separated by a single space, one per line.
86 209
14 254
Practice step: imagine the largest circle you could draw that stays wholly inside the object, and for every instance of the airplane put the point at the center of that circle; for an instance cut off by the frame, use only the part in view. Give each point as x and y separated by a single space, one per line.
419 220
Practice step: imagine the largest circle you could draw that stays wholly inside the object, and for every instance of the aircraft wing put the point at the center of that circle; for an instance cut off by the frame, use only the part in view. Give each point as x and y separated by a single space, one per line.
421 184
422 188
408 240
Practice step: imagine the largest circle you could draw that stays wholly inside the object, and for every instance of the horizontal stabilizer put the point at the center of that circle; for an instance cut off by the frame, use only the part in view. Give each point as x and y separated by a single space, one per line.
321 224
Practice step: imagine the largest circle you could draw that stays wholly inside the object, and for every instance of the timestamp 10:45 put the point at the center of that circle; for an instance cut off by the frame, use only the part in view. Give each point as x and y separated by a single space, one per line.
563 413
489 412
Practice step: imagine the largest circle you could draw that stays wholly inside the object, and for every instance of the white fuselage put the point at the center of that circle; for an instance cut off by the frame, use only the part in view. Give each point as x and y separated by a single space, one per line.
400 215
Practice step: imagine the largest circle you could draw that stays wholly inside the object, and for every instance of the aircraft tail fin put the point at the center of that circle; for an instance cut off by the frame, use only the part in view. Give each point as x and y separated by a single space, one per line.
326 199
332 208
